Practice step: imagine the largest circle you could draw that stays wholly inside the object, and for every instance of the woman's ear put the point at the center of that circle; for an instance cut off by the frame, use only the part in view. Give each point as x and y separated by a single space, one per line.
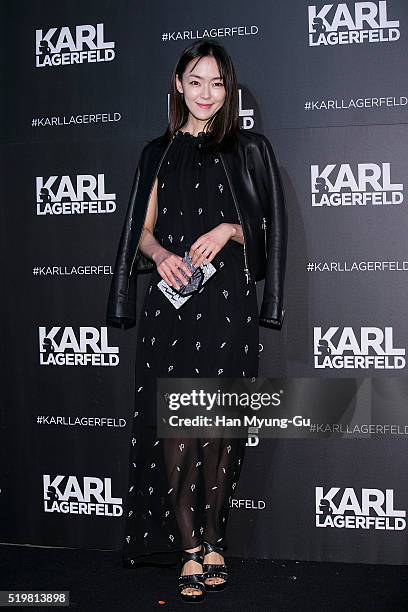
179 86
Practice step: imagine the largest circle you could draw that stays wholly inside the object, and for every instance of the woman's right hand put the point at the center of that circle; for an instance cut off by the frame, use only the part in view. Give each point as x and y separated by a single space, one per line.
171 268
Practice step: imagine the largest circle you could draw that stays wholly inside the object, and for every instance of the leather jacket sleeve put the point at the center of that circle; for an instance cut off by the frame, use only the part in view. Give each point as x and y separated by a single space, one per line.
272 312
122 294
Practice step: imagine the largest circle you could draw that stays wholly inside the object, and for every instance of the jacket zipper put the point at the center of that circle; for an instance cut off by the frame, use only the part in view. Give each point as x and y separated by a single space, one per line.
246 269
147 205
264 229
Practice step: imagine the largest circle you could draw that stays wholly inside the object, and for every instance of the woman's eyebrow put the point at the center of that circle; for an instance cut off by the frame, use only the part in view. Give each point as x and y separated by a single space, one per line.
198 77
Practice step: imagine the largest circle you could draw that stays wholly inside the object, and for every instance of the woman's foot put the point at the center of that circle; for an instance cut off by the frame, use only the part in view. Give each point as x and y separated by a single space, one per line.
214 563
214 558
192 568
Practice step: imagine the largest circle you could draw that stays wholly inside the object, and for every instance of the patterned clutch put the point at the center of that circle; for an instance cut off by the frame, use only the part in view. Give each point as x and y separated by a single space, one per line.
199 277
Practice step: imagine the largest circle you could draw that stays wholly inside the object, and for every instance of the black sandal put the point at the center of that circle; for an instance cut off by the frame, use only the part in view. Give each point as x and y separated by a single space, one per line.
195 581
214 570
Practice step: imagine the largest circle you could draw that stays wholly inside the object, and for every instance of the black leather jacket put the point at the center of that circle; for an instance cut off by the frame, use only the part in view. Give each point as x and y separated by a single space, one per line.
255 183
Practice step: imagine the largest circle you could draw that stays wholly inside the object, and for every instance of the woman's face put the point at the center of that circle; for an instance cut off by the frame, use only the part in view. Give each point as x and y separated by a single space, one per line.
203 89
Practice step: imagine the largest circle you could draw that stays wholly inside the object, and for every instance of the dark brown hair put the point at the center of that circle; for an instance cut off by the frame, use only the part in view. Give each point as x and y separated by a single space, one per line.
224 124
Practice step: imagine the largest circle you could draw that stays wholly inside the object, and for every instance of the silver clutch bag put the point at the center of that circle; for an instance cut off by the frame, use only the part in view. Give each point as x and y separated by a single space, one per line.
198 278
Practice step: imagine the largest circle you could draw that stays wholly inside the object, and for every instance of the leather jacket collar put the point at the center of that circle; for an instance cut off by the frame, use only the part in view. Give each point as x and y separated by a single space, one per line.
254 179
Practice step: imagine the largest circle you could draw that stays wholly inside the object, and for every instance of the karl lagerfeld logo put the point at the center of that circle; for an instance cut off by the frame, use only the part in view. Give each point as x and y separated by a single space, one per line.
347 509
87 346
89 495
342 348
352 22
340 185
79 45
68 196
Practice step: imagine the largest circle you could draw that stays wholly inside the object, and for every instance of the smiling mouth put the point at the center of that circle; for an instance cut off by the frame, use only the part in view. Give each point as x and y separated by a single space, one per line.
204 105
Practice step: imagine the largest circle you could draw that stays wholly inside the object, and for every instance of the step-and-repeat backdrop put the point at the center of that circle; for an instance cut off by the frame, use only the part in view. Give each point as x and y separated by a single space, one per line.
85 87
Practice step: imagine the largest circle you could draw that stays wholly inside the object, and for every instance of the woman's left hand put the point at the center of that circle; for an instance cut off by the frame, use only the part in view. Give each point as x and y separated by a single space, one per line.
206 247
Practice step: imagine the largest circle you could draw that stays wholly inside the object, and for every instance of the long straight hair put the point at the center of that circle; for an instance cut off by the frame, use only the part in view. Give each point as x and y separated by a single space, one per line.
224 124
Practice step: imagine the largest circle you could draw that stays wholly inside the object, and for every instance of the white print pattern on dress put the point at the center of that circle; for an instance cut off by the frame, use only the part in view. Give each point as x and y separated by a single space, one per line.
221 187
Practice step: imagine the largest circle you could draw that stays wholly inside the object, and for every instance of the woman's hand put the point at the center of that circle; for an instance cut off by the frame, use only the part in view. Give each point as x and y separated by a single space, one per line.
206 247
171 267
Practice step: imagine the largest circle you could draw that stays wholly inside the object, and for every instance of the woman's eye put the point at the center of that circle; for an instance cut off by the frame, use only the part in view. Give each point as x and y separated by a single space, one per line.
196 82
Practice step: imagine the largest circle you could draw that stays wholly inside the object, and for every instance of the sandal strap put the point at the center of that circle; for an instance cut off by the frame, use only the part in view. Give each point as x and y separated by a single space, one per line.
212 548
195 581
197 556
211 568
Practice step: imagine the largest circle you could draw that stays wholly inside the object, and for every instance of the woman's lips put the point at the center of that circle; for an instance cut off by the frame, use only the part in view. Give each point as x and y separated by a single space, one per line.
204 105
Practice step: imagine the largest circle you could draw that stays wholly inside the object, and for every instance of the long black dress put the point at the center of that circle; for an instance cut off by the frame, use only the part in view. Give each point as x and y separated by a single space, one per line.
180 489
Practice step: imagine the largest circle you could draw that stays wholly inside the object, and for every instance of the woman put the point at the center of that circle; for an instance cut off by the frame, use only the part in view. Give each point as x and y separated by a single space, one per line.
208 188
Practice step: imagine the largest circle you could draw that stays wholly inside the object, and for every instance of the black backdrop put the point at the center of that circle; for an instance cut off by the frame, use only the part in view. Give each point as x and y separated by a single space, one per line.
335 112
